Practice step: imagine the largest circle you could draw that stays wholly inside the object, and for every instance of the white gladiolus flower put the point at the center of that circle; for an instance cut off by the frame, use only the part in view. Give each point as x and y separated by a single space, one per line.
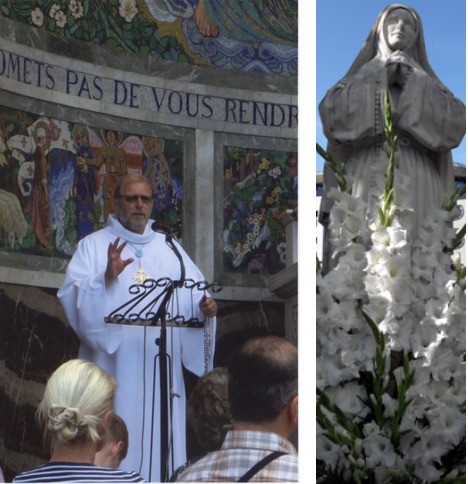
349 397
359 353
426 472
381 237
425 333
390 405
429 448
324 304
326 450
447 423
377 445
344 284
401 295
399 340
458 390
334 339
355 257
333 370
444 364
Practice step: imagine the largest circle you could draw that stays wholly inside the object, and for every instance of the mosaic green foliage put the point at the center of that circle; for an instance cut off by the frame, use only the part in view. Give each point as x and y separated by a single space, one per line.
113 23
259 185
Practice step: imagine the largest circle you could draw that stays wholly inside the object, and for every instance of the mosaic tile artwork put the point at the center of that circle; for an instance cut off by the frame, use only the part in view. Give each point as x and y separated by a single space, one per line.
258 186
254 35
57 179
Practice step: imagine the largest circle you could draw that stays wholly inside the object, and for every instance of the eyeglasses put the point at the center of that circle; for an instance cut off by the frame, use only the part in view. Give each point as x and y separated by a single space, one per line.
146 199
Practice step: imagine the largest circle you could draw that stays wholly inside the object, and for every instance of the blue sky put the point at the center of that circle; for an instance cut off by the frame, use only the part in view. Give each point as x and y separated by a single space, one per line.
342 26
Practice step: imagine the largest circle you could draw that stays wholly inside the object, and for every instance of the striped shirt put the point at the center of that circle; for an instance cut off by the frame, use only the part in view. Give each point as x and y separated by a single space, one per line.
241 450
76 472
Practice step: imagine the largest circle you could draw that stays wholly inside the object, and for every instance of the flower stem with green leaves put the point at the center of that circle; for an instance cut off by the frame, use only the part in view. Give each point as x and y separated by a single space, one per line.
391 147
338 170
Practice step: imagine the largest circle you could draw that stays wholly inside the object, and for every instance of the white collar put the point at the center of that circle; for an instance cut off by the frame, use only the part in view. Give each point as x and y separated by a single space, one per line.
114 226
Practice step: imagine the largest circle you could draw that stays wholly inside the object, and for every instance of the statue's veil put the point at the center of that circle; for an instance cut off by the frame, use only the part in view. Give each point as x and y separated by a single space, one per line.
375 44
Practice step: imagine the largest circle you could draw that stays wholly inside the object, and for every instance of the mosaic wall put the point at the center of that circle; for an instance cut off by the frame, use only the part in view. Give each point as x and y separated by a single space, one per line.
57 179
258 186
254 35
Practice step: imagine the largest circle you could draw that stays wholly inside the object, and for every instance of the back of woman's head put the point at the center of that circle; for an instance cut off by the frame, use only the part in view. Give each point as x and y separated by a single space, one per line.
77 397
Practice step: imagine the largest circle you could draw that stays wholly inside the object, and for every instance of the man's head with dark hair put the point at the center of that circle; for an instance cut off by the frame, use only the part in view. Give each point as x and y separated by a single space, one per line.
263 379
263 395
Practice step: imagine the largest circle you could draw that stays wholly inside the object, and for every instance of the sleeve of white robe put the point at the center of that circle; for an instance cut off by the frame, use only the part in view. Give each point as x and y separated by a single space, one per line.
83 297
430 113
197 343
198 347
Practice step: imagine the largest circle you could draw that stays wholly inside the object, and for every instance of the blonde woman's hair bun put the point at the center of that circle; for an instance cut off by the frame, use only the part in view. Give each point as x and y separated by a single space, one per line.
77 397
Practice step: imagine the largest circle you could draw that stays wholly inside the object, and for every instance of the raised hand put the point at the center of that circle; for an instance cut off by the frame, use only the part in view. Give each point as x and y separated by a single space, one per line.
115 263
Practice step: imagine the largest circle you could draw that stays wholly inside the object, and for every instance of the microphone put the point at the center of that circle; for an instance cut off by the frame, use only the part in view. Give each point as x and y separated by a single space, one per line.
158 227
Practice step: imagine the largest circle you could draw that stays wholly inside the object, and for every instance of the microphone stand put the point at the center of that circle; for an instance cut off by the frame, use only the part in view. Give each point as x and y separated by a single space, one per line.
163 382
163 366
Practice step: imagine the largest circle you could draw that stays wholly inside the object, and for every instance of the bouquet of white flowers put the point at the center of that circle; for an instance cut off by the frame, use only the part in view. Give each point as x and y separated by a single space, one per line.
390 340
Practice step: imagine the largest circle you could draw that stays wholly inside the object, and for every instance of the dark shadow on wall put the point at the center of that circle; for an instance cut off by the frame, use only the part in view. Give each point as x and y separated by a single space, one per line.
34 340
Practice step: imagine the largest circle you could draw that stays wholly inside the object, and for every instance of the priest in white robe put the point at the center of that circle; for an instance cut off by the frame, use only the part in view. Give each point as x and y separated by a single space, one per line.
429 121
105 265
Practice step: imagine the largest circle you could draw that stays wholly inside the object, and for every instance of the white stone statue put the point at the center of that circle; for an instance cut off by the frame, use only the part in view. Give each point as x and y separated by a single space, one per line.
429 120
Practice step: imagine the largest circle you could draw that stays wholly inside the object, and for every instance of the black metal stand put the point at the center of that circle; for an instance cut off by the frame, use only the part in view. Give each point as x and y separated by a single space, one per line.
146 316
163 394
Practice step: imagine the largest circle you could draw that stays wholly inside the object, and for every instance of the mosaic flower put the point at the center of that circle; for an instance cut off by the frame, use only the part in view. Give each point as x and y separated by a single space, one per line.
37 17
76 8
128 9
54 10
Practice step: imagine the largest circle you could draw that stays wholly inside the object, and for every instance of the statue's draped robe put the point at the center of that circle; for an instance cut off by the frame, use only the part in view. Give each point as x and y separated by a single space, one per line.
429 122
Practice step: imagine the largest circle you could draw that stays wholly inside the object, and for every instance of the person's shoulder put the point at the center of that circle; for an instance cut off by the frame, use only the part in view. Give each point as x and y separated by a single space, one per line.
193 471
77 472
292 459
92 237
158 236
181 469
121 476
108 474
31 475
286 467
